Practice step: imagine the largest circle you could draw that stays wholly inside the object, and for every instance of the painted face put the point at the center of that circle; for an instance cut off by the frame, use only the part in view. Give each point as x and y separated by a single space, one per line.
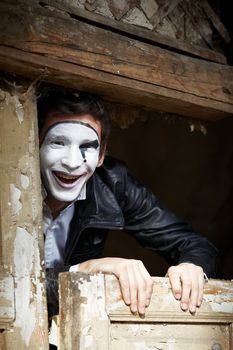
69 155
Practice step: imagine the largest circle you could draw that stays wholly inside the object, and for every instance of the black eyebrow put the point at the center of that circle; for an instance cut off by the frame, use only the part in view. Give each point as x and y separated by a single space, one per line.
70 122
93 144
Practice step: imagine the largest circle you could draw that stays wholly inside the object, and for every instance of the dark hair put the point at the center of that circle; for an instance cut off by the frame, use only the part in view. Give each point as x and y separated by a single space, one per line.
62 101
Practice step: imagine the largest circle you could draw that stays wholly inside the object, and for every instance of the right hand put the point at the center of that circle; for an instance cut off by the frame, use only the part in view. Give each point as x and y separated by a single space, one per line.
135 282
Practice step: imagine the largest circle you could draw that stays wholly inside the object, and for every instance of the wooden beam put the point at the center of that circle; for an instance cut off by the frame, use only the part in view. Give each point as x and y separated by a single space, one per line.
7 299
219 26
141 34
82 56
23 312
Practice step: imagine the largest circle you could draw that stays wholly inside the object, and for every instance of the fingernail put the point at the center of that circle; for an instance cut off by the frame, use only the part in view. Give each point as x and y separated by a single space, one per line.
141 311
192 309
177 296
133 309
184 306
133 313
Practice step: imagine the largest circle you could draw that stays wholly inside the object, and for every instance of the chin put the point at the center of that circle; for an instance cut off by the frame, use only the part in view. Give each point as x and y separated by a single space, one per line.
65 199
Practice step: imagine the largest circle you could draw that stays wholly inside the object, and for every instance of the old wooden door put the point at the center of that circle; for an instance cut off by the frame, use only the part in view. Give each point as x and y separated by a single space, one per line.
94 316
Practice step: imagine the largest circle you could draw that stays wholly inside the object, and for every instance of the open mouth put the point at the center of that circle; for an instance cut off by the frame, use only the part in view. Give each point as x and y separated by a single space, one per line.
65 178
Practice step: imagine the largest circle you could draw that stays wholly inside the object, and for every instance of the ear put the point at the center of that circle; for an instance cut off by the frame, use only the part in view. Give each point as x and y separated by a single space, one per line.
101 158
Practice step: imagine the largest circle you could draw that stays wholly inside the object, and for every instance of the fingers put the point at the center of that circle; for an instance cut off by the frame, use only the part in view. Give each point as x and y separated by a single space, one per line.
187 282
136 285
135 282
145 287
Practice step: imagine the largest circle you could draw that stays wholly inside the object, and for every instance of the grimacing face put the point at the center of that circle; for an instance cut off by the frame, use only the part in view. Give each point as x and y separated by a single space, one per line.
69 155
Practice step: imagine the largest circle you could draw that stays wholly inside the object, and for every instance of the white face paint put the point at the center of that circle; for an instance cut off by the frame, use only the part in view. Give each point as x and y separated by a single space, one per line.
69 155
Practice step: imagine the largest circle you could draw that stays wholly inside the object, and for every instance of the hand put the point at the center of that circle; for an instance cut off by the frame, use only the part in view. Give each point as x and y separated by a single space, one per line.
135 282
187 283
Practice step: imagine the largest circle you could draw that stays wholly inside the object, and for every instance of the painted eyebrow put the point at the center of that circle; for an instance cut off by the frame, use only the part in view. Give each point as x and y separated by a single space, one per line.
94 144
70 122
53 138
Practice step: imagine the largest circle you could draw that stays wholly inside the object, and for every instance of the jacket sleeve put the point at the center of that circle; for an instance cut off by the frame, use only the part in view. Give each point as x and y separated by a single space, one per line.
160 230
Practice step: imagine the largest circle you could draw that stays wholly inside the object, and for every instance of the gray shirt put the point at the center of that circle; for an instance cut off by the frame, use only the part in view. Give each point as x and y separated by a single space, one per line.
56 233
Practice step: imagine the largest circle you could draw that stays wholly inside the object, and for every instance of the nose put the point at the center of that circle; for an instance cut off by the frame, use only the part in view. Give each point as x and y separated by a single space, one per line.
73 159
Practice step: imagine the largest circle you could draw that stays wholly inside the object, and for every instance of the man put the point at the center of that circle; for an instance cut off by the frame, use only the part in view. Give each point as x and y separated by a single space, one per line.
87 193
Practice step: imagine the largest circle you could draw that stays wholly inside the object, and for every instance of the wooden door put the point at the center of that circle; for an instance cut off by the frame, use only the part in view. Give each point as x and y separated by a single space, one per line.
94 316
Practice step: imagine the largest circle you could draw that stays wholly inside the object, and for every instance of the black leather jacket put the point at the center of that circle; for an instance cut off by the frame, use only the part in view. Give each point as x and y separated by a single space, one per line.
116 200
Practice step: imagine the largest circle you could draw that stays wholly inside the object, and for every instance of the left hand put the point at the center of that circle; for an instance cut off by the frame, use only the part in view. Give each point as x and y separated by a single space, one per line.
187 283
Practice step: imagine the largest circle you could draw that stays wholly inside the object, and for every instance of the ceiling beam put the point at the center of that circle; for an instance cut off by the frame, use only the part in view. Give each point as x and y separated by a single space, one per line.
40 43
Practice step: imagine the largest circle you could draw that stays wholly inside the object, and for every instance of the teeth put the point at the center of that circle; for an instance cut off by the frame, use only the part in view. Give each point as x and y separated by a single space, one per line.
67 177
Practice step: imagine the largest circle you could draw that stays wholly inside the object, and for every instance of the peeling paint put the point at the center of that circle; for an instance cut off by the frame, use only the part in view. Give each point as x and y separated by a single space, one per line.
139 329
15 195
88 340
171 344
220 299
94 291
224 306
6 296
19 110
142 346
115 306
24 181
23 252
23 260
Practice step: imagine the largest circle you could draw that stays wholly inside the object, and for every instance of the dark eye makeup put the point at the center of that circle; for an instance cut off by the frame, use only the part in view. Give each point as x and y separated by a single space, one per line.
91 144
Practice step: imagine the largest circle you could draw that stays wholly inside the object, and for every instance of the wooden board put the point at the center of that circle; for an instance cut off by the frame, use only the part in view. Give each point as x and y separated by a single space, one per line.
23 312
141 34
52 46
7 299
93 316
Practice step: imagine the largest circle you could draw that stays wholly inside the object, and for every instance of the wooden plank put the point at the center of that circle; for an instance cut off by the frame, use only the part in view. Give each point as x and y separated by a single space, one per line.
112 87
217 24
83 319
168 336
7 299
103 321
21 234
140 34
216 308
164 10
180 84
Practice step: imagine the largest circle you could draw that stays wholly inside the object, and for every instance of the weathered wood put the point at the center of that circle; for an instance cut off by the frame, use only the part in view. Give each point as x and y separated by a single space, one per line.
140 34
83 320
7 299
215 20
164 10
21 234
82 56
216 308
103 321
